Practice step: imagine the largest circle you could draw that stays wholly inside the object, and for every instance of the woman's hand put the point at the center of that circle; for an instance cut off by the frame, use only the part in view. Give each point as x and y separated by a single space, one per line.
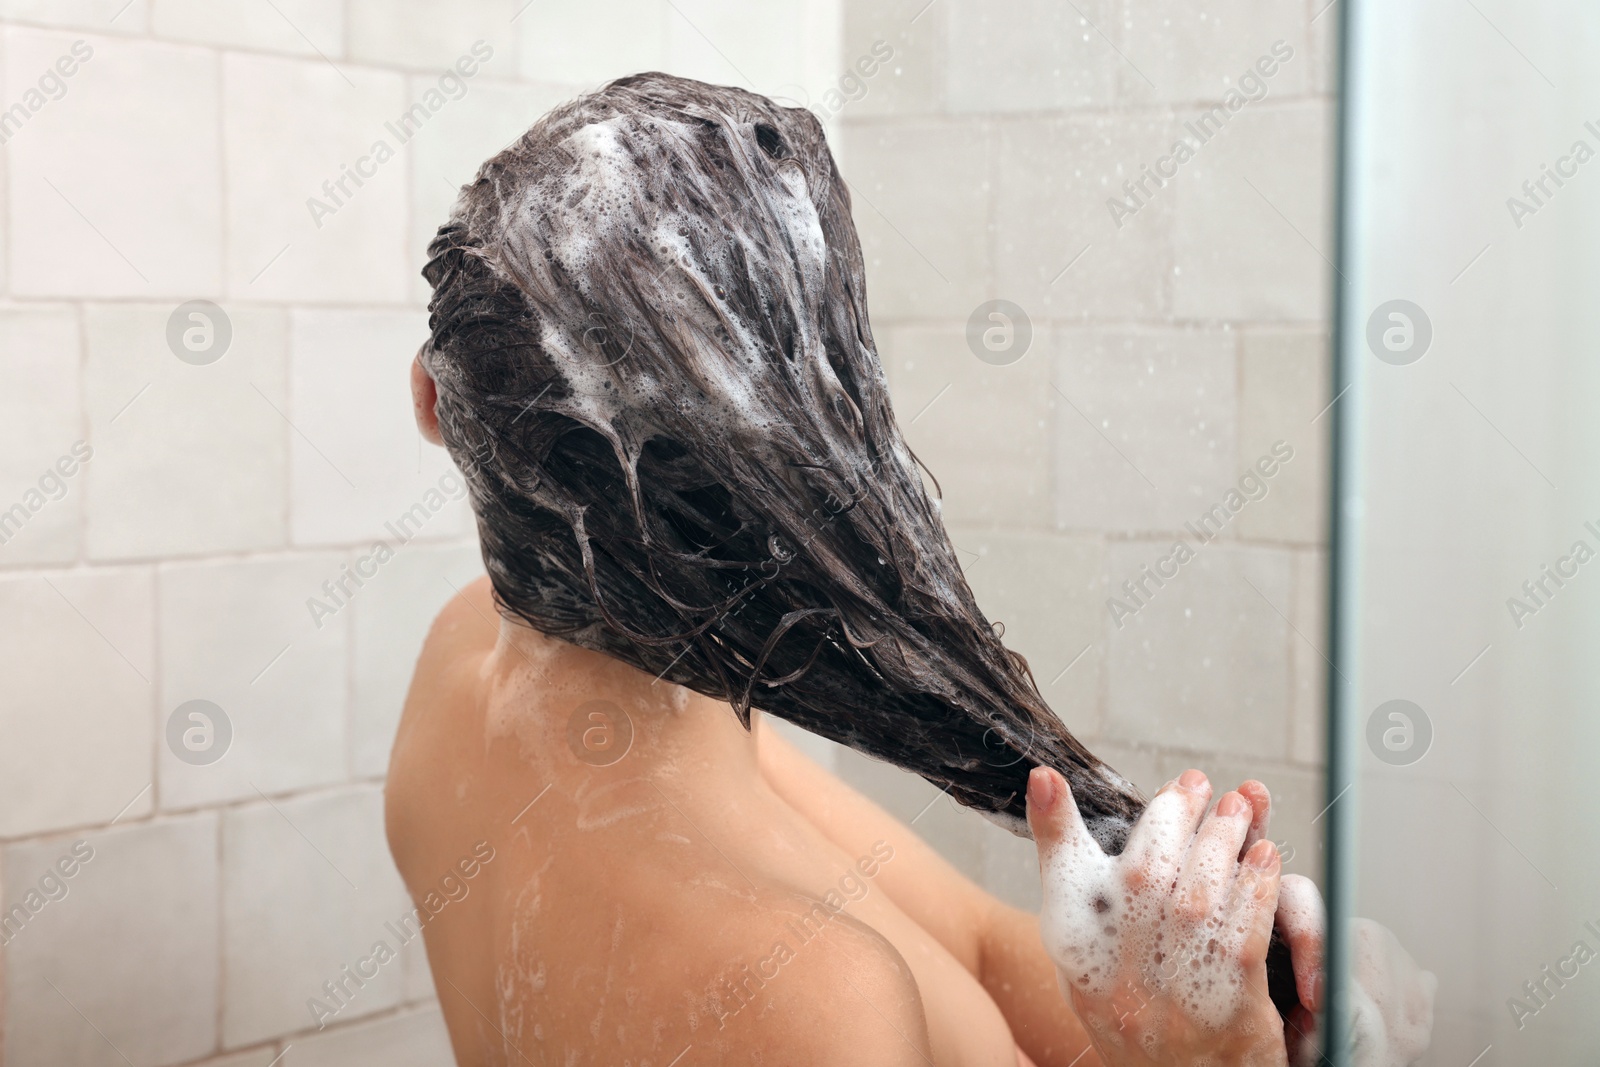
1162 949
1391 1001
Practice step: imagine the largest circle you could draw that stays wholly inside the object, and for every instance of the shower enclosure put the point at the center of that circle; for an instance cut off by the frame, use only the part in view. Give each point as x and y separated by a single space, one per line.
1106 244
1464 805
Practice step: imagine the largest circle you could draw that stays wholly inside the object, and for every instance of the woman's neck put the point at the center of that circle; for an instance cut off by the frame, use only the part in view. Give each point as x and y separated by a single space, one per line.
576 710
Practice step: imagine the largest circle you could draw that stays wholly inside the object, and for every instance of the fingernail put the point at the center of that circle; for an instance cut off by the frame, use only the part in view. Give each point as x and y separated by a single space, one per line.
1041 789
1316 992
1261 855
1231 804
1192 780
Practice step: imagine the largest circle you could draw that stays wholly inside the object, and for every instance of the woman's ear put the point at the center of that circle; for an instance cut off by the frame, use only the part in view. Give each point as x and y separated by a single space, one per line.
424 394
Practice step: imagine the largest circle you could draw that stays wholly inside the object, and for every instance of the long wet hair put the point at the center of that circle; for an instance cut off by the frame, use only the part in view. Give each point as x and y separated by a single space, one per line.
655 369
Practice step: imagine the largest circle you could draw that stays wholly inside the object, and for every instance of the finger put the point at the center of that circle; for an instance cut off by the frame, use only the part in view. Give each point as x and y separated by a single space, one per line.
1253 905
1209 870
1053 817
1261 808
1160 839
1303 922
1078 886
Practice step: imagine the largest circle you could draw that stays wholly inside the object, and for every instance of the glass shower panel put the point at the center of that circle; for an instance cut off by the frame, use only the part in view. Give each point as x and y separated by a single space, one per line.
1468 554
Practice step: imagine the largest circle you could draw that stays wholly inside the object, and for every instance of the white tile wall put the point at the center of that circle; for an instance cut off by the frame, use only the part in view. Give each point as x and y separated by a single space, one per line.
1049 592
307 885
1180 52
289 126
79 664
266 1056
297 27
913 81
920 197
358 466
1324 45
1059 249
40 420
1250 231
1028 55
101 16
188 459
182 154
390 616
719 42
1309 657
586 44
240 634
981 155
420 33
263 1056
1204 664
115 187
415 1038
983 430
124 967
1146 426
1283 396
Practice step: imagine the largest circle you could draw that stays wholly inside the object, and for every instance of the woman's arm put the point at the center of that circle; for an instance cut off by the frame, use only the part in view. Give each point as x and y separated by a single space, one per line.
999 945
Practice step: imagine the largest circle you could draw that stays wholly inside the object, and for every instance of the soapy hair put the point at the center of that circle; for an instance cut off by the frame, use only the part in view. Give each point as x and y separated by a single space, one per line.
649 336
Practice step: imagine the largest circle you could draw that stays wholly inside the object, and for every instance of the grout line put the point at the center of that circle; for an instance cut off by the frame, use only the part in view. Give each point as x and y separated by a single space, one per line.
883 322
213 806
222 930
1174 111
314 58
276 554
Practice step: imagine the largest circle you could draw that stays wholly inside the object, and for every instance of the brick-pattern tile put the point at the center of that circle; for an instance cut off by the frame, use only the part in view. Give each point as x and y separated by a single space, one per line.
188 459
79 664
204 548
41 422
307 886
123 962
149 226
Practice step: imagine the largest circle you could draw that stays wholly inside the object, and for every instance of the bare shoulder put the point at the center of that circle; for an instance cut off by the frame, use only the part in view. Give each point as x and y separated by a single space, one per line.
443 691
469 622
812 986
462 634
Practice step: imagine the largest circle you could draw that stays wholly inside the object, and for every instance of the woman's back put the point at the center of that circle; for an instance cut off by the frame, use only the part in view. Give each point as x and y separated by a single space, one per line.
638 889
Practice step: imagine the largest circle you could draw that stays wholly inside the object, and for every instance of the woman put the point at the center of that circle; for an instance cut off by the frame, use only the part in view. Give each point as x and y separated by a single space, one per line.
650 357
